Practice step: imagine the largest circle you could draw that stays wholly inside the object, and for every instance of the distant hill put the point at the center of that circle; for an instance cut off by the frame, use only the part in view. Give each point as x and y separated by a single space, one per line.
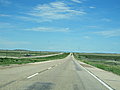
14 50
20 50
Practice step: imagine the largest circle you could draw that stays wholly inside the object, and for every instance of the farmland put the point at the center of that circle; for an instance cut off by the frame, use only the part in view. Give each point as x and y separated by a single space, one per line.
23 53
108 62
8 61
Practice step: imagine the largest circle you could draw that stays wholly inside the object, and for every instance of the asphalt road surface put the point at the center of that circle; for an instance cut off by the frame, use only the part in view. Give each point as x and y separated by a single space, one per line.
66 74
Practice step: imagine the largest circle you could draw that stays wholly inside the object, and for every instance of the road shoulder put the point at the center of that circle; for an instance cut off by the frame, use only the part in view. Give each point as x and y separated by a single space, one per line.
109 78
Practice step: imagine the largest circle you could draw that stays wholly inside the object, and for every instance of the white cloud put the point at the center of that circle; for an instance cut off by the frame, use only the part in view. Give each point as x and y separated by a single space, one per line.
5 25
92 7
111 33
93 26
77 1
106 19
53 11
50 29
5 2
4 15
33 19
87 37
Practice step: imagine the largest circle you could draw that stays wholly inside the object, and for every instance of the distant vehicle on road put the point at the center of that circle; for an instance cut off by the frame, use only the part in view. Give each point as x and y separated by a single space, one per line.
27 55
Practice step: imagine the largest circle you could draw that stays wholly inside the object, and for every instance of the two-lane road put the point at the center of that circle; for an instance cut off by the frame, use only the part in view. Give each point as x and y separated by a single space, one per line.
66 74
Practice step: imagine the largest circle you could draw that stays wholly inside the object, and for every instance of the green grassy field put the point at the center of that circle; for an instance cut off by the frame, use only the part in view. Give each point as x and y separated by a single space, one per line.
104 61
8 61
15 53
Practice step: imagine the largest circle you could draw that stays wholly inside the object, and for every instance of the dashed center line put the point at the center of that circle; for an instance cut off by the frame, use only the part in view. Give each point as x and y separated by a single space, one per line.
42 71
32 75
49 68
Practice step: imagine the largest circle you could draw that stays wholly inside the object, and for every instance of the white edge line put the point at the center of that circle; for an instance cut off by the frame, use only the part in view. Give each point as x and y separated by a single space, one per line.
98 79
32 75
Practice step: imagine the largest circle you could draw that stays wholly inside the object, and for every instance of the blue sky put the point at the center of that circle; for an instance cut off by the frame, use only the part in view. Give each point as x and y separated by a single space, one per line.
60 25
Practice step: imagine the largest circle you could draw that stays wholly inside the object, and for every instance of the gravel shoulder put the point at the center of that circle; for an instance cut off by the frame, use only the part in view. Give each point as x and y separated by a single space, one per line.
109 78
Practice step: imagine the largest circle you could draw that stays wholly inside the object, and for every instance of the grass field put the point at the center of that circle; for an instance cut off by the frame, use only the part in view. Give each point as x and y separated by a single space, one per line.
104 61
8 61
23 53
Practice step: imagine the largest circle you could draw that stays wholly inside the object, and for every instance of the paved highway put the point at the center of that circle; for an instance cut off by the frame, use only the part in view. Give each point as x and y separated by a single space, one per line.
65 74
